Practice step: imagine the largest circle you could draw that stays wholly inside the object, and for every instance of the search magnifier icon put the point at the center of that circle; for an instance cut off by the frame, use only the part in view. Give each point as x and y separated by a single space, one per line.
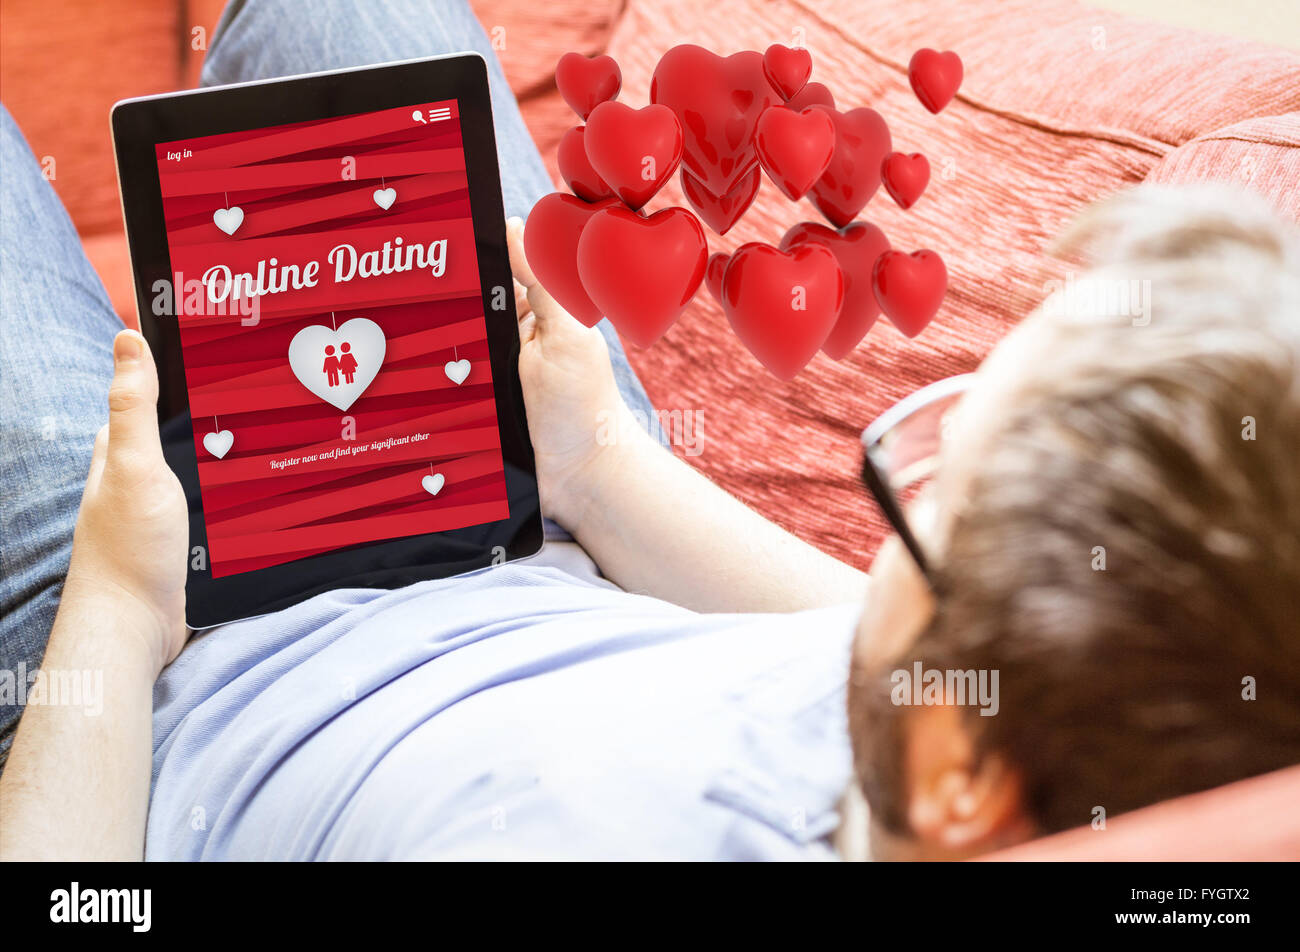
418 117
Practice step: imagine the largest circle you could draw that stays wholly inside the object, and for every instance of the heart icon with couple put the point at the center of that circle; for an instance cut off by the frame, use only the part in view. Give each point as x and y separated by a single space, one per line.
338 365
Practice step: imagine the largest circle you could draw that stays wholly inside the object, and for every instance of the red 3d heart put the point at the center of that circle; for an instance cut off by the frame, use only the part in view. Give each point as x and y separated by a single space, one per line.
786 69
575 167
642 272
861 144
720 213
586 83
718 102
905 177
856 249
910 288
813 94
635 150
935 77
782 304
713 273
551 244
794 148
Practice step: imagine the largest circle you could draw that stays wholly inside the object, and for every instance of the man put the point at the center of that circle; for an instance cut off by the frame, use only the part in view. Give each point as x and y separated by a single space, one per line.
1115 531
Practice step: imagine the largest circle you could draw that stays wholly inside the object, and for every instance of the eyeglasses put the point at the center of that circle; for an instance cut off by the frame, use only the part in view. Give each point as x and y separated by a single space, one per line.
901 448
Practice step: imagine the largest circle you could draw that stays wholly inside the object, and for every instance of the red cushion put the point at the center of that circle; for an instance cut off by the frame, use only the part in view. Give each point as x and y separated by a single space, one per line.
1260 154
1251 820
62 66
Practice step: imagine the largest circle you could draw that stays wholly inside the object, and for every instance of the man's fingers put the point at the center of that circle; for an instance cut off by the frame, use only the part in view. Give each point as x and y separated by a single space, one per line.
133 399
542 304
527 329
545 309
98 457
522 307
518 261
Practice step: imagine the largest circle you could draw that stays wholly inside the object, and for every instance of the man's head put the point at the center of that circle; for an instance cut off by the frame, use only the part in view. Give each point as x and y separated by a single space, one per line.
1115 531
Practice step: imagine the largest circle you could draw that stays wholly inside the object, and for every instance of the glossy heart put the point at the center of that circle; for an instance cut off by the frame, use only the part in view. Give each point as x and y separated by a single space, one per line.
384 197
551 244
642 272
935 77
585 82
720 213
786 69
861 144
634 150
576 170
905 177
782 304
910 288
718 101
856 249
713 273
794 148
813 94
433 483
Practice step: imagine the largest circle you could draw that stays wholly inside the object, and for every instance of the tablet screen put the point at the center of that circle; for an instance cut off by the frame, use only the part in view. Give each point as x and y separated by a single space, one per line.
332 334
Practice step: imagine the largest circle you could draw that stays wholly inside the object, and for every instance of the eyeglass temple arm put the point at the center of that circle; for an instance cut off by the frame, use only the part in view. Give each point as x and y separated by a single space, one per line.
888 503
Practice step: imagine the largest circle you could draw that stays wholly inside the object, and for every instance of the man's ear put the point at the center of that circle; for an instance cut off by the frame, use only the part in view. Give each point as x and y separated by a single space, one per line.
958 806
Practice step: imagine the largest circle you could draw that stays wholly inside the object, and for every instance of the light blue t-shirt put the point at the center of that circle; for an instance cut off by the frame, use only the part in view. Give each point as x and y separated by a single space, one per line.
527 711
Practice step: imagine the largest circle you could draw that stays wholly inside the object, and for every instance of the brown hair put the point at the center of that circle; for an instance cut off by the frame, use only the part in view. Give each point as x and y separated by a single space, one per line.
1175 448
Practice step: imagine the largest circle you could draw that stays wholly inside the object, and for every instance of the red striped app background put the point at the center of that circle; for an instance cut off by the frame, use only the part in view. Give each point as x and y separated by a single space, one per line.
304 189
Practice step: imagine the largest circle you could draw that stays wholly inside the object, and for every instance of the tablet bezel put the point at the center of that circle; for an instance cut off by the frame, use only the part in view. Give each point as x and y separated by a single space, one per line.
139 124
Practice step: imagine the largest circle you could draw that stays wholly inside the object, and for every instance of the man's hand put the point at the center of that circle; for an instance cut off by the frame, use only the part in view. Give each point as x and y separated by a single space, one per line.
132 532
651 522
76 786
575 412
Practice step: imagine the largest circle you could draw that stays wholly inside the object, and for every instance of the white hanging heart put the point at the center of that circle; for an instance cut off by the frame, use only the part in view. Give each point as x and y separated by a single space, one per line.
433 483
218 443
228 219
457 370
384 197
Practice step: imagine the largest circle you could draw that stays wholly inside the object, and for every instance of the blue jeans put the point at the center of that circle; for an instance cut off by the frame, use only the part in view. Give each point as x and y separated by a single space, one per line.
57 327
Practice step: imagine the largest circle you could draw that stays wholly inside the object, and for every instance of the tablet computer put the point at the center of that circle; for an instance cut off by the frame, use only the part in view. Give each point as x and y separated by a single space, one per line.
321 271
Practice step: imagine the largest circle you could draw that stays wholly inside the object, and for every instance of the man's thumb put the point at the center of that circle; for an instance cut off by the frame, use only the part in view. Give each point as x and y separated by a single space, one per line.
133 397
